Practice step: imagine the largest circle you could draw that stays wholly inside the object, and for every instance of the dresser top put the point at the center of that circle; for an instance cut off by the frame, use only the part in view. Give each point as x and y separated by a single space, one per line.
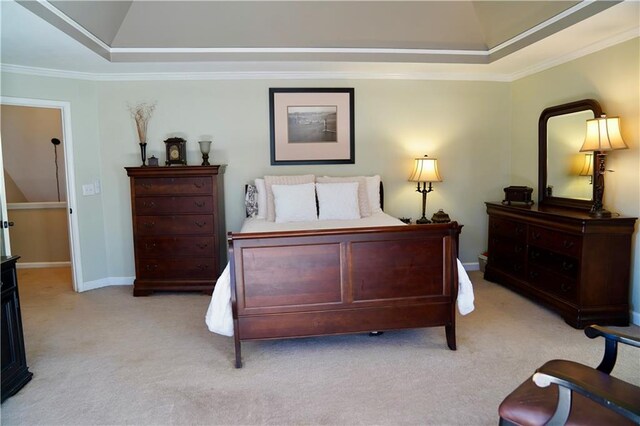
541 210
156 171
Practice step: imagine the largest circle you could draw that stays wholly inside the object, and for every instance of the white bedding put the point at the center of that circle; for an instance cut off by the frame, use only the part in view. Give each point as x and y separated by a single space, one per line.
219 317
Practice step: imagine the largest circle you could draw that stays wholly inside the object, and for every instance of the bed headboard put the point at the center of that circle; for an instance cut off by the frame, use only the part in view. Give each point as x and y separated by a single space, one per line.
246 188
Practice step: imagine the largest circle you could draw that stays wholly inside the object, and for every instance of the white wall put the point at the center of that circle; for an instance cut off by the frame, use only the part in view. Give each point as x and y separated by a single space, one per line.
612 77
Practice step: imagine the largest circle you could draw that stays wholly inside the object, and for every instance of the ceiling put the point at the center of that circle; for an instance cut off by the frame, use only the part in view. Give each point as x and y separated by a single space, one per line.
497 39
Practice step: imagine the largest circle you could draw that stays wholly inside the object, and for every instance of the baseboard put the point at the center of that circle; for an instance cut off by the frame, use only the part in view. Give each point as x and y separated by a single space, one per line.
635 318
471 266
105 282
33 265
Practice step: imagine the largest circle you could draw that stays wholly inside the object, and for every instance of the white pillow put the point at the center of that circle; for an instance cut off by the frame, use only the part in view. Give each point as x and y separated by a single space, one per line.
262 198
363 198
282 180
373 190
294 203
338 201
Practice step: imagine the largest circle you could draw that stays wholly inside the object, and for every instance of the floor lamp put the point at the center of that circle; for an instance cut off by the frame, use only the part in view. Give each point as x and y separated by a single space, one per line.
425 171
603 134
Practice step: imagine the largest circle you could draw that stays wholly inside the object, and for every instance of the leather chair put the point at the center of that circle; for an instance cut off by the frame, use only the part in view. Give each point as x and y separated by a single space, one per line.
567 393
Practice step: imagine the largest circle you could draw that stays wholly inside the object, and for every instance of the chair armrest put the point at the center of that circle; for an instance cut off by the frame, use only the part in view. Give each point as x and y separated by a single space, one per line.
608 391
612 337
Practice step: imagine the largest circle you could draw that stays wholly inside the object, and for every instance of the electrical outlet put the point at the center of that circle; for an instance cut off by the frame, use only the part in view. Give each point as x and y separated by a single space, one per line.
97 186
88 189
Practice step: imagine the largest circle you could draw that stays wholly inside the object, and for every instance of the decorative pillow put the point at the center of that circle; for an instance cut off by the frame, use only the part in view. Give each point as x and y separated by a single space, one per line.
338 200
282 180
373 191
294 203
262 198
363 198
251 201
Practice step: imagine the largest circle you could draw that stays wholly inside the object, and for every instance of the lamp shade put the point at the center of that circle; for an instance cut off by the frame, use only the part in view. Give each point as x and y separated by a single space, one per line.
603 134
425 170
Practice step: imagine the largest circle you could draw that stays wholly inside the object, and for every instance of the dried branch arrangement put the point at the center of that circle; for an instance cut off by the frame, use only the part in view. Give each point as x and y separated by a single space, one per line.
141 113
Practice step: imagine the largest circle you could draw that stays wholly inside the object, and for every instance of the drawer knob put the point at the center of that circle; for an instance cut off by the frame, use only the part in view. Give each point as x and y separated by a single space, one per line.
199 224
199 184
150 204
517 249
152 267
535 254
567 244
517 267
199 203
535 235
150 246
564 287
519 229
203 267
149 224
567 266
202 246
534 274
147 185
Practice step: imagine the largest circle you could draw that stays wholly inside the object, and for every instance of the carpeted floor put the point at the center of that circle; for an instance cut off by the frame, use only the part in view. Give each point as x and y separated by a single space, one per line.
107 358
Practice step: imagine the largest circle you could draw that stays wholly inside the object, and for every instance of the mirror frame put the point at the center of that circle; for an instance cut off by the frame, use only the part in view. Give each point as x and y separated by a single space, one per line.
554 111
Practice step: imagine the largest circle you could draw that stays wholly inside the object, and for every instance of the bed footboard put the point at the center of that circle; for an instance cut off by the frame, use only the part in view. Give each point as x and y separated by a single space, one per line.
322 282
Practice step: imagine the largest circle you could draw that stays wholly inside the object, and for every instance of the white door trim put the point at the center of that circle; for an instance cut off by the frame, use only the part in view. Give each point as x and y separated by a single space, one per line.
74 233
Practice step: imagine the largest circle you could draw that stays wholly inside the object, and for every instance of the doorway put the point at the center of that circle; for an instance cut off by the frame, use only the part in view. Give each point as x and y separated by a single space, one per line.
36 186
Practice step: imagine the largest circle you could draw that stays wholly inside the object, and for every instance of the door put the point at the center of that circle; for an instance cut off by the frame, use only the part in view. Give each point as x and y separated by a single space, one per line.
67 181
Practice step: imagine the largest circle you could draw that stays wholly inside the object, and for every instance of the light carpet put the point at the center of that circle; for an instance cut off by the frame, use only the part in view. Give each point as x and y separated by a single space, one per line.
106 358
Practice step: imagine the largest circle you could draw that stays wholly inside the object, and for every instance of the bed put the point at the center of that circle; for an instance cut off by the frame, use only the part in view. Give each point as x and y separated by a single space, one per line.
324 277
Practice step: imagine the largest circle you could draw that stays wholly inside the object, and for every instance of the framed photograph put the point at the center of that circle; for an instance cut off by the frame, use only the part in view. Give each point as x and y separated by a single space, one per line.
311 126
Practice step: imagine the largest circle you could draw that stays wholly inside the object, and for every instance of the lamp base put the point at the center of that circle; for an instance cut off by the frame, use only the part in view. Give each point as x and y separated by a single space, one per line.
601 213
422 221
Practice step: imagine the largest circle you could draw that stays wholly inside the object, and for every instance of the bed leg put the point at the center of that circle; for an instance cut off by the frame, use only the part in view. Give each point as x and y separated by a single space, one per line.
450 330
238 353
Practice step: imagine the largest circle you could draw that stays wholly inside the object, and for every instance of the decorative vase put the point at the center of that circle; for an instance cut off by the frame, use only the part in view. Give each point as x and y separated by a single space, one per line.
143 153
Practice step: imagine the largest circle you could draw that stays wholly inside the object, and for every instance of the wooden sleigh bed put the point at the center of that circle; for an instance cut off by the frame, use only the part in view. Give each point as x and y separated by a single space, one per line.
337 281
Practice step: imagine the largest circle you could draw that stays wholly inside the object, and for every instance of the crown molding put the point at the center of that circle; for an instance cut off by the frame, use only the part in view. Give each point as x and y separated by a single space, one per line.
595 47
320 75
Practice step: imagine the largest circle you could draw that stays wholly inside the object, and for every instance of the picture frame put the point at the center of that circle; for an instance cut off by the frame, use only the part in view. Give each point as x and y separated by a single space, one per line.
312 126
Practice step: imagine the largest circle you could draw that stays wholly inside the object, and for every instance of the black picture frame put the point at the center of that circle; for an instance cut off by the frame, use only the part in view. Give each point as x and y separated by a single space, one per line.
312 126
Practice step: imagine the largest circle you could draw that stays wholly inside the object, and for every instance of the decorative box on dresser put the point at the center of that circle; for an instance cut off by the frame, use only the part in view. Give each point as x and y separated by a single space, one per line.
575 264
179 232
15 373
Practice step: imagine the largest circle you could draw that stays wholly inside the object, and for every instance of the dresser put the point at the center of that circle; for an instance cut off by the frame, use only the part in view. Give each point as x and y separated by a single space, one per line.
178 227
574 264
15 373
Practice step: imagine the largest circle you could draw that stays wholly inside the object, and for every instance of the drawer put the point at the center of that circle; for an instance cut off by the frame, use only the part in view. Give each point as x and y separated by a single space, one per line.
507 228
507 248
203 268
566 244
558 263
173 205
174 225
557 285
175 246
8 280
174 185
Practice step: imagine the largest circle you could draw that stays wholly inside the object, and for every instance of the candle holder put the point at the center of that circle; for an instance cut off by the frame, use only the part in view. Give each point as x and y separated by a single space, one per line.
143 153
205 147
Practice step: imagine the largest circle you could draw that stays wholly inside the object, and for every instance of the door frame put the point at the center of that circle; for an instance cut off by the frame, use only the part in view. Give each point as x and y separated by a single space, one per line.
74 233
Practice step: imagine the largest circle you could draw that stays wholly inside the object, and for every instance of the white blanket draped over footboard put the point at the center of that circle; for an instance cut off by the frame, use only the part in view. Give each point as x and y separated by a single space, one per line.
219 317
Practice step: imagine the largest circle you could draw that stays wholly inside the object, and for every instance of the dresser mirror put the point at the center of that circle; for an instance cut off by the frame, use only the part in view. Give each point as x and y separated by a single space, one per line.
564 176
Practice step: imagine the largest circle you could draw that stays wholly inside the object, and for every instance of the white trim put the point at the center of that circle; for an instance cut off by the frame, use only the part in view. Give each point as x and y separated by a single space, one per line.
74 230
107 282
541 26
34 265
635 317
311 50
37 206
73 24
595 47
5 248
471 266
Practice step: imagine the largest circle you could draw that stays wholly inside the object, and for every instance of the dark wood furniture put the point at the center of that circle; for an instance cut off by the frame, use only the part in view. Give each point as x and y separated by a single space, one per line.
336 281
178 227
15 373
577 265
566 392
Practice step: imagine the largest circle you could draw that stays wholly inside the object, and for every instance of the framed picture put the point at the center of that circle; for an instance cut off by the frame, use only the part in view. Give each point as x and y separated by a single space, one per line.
311 126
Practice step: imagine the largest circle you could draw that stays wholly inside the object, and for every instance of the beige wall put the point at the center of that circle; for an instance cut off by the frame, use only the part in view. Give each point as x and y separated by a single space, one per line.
39 235
612 77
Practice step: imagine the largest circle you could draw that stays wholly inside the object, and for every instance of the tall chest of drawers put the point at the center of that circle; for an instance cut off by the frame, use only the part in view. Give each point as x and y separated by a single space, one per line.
577 265
178 227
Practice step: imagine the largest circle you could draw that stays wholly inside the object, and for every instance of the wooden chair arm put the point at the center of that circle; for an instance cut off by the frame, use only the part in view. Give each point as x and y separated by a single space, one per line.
612 337
608 391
